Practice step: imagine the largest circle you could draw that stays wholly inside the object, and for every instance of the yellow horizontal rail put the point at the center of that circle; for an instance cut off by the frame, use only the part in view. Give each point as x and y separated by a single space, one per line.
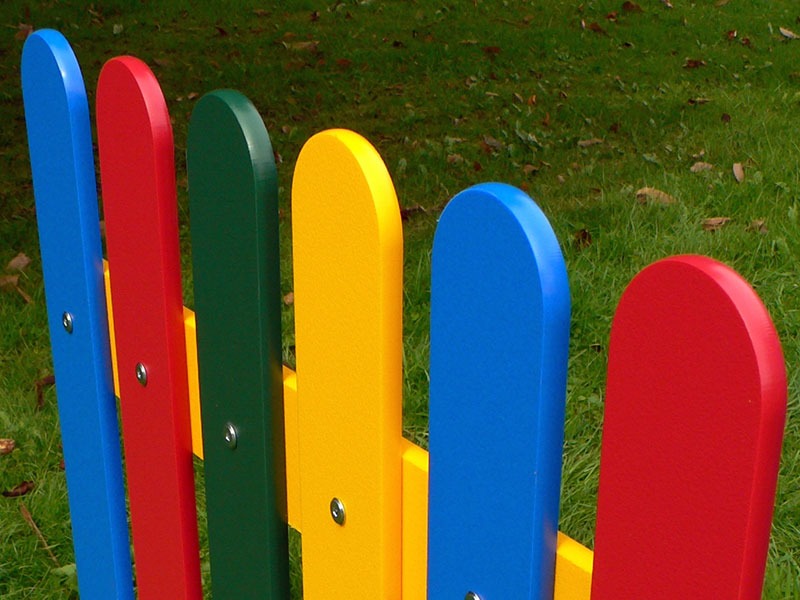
573 560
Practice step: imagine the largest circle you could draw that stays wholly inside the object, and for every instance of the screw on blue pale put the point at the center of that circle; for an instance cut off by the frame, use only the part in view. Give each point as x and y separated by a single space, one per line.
62 163
500 312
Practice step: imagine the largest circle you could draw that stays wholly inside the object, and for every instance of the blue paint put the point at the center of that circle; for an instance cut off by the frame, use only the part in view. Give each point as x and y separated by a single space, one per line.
499 341
62 162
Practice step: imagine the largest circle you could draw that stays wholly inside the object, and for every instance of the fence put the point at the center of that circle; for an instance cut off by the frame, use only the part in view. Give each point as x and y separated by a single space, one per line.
694 410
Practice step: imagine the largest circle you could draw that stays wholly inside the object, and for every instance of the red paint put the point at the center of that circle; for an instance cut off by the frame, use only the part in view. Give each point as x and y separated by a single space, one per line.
694 416
138 188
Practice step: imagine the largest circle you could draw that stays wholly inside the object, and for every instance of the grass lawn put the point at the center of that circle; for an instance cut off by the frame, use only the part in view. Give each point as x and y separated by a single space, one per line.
579 103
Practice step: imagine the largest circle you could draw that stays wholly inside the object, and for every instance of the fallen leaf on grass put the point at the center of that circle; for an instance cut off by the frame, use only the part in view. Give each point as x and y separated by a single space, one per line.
528 169
699 101
715 223
582 239
288 299
40 385
7 446
788 33
631 7
407 212
589 142
694 63
491 51
701 166
738 172
9 282
23 31
19 263
311 46
649 194
19 489
757 225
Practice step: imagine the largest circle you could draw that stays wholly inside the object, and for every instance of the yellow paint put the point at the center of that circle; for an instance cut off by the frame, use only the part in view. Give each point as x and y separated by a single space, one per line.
112 338
194 386
415 522
292 448
573 570
348 263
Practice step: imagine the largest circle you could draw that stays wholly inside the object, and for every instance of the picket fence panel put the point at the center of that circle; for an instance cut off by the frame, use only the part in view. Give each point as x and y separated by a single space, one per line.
692 429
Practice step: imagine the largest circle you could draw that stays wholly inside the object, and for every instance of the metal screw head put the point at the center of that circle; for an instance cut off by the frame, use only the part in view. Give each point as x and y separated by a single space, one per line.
141 373
231 435
472 596
337 511
66 321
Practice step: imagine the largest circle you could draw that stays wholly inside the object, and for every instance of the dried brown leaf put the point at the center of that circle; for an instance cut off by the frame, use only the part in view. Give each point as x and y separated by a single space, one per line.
757 225
530 169
631 7
491 51
701 166
19 490
493 143
26 297
7 446
738 172
309 46
9 282
788 33
589 142
454 159
694 63
649 194
582 239
595 26
23 31
407 212
288 299
715 223
40 385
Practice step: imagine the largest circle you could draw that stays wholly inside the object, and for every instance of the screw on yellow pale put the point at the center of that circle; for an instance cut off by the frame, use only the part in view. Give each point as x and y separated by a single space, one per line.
348 264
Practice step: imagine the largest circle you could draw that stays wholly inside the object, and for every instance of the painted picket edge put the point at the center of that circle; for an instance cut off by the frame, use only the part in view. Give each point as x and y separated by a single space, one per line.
573 560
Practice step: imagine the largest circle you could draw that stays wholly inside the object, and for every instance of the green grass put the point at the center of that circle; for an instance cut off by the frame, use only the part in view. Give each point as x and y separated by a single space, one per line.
445 91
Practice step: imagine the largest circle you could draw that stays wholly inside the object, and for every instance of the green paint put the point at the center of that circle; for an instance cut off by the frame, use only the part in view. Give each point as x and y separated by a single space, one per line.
233 195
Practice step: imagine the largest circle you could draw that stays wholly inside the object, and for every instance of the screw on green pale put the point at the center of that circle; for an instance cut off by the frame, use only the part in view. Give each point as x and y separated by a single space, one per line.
234 229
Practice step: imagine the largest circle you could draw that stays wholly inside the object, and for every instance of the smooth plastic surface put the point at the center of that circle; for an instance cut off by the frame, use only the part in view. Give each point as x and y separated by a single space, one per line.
60 140
233 193
499 337
694 416
138 184
348 265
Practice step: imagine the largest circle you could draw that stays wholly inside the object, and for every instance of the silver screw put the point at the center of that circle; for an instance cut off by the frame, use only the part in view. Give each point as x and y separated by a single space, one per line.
231 435
337 511
472 596
66 321
141 373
